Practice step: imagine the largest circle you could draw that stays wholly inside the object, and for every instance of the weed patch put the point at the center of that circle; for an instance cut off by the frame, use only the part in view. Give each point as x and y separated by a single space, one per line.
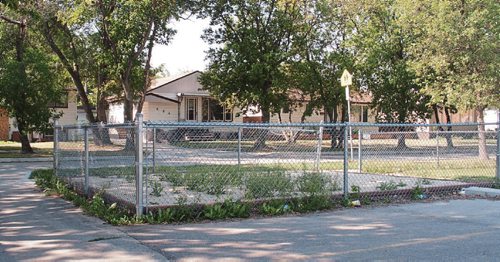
111 213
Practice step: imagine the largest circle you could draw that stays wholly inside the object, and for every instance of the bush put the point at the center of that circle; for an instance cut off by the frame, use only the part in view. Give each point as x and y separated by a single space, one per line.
314 184
266 185
275 207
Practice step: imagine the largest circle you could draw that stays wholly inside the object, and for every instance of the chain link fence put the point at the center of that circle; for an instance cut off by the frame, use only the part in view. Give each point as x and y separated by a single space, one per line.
160 164
98 159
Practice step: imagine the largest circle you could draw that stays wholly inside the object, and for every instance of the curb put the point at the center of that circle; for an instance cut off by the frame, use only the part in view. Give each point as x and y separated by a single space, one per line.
26 160
481 191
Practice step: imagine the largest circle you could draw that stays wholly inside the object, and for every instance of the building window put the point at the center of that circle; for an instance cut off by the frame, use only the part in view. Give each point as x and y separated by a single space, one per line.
212 111
365 114
360 112
61 102
191 109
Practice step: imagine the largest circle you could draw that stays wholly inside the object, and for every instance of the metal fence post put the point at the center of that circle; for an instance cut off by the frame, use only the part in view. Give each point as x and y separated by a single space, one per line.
360 155
154 149
346 161
138 165
437 146
55 152
86 160
239 147
318 149
498 151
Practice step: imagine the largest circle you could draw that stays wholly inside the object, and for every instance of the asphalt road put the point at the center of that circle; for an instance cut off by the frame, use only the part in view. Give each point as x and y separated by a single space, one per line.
34 227
459 230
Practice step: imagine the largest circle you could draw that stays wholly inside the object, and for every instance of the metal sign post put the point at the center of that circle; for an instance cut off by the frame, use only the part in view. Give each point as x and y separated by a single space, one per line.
346 80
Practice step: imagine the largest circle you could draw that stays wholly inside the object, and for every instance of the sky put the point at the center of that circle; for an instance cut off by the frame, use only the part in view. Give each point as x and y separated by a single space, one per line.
186 52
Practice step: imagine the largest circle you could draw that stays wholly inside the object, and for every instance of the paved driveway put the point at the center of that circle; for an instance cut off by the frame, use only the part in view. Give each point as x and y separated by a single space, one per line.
459 230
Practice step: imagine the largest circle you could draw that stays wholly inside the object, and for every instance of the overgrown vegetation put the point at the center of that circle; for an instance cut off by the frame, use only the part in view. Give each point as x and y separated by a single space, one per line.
267 185
391 185
96 206
318 199
265 190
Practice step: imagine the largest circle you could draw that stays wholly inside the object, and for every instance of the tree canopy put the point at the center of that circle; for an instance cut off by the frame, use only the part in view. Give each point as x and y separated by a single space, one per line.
413 57
29 77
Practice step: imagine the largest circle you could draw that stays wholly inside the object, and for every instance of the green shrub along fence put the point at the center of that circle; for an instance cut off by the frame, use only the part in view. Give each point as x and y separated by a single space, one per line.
159 165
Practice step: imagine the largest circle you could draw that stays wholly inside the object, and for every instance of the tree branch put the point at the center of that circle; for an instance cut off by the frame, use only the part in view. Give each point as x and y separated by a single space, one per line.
10 20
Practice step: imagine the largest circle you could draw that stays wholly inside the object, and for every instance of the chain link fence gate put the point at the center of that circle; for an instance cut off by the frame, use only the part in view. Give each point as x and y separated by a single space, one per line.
153 165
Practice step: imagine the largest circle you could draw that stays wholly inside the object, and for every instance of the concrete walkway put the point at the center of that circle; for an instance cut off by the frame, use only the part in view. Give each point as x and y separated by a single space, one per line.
34 227
25 160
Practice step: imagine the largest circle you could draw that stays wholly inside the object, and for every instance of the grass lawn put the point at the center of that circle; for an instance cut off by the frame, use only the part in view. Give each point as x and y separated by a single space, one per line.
311 145
466 170
13 149
75 148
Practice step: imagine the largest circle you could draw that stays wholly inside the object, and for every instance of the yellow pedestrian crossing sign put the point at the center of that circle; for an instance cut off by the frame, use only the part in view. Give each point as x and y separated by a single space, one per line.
346 78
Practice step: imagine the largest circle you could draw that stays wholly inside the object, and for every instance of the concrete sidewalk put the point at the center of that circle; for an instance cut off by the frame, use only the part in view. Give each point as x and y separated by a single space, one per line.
34 227
25 160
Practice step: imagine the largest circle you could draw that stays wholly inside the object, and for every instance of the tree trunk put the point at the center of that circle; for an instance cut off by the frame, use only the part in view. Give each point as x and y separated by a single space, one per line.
147 69
401 135
128 110
103 133
25 142
20 41
128 116
449 140
72 67
483 151
334 129
260 142
401 138
436 115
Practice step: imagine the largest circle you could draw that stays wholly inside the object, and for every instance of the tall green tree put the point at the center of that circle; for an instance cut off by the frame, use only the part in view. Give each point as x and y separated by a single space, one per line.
382 54
457 55
324 53
67 35
128 32
251 42
28 76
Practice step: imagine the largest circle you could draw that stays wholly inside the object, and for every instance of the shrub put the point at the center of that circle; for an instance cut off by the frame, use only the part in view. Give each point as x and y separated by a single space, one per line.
313 184
275 207
156 188
391 185
269 184
313 203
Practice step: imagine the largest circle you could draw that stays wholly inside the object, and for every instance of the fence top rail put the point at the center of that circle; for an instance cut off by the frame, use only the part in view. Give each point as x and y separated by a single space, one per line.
159 124
96 125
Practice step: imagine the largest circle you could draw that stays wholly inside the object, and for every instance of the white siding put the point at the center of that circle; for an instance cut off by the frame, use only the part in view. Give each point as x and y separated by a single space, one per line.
188 84
166 111
70 114
115 113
